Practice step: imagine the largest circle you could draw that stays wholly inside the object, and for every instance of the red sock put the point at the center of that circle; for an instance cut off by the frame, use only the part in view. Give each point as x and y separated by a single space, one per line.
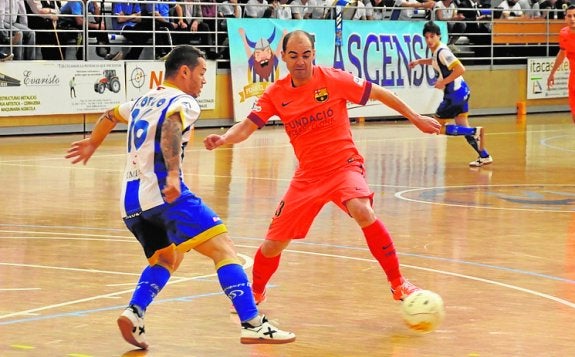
381 247
263 270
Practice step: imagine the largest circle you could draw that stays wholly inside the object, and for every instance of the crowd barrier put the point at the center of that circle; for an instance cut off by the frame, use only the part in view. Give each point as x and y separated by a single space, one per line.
231 95
506 40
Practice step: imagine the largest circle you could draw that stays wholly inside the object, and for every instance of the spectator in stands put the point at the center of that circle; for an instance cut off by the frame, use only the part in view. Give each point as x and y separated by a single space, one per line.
14 19
227 9
446 10
5 57
281 10
7 41
72 22
309 9
42 16
127 18
530 8
477 17
354 10
510 9
258 9
375 9
414 10
198 29
553 9
157 18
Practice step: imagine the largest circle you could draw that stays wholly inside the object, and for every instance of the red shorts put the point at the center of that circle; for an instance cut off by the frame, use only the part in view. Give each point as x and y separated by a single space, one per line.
305 198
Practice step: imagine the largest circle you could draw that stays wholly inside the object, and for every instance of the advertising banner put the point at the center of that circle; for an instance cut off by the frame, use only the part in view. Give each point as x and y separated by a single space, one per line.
378 51
70 87
143 76
538 69
60 87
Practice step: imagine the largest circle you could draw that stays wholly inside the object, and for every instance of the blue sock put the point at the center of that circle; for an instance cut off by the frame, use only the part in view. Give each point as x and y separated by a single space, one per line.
236 286
484 153
152 281
454 130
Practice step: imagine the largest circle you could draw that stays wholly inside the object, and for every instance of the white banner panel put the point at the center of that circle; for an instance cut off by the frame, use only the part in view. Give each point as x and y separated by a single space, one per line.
60 87
143 76
538 69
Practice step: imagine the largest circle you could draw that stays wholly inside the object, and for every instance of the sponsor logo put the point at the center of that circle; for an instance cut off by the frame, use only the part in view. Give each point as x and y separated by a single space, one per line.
286 103
235 293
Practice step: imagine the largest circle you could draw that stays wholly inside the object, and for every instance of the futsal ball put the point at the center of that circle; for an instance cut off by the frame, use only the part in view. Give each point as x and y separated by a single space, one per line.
423 311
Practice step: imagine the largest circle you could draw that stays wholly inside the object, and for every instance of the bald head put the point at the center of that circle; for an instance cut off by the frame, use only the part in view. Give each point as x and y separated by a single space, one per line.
298 34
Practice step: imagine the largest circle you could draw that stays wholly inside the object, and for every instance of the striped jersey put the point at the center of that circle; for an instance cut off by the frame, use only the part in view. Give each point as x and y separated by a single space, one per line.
443 62
145 172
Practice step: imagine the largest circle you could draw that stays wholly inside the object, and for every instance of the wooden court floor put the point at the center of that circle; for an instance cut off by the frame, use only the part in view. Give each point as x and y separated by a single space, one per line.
498 243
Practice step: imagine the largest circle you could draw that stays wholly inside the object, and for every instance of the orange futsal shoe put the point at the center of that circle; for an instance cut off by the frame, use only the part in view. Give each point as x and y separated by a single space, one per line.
404 289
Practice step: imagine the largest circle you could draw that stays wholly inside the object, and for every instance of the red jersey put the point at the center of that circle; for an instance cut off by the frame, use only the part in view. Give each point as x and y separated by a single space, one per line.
315 117
567 43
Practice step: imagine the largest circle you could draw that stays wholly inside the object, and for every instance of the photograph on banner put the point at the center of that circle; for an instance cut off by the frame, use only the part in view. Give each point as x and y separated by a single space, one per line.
60 87
255 55
538 69
142 76
377 51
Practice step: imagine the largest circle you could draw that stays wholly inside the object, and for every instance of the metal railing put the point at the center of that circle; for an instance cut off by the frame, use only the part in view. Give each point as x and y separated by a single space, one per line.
537 36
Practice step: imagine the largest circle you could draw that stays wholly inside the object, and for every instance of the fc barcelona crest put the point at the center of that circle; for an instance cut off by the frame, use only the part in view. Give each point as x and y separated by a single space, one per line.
321 95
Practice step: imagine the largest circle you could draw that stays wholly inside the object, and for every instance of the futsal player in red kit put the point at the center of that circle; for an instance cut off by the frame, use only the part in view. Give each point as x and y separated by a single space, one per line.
566 49
311 103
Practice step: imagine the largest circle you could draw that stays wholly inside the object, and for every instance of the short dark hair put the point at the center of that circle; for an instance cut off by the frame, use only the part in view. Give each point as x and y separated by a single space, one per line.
432 27
183 55
570 7
290 34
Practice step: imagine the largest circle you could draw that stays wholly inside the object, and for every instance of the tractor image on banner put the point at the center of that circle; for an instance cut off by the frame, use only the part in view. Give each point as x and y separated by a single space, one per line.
110 81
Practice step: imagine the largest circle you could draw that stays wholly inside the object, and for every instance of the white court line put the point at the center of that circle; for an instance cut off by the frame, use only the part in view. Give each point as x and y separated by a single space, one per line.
20 289
545 142
68 269
248 263
464 276
74 235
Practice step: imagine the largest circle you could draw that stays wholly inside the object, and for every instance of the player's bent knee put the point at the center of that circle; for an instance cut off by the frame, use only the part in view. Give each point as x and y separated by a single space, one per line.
273 248
361 211
171 260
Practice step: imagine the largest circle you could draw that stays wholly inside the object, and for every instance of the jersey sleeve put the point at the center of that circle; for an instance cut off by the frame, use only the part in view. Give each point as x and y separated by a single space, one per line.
123 111
348 86
263 110
447 58
187 107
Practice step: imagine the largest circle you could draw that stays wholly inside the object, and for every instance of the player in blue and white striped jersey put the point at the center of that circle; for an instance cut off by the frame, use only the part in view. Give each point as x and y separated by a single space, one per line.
456 93
158 208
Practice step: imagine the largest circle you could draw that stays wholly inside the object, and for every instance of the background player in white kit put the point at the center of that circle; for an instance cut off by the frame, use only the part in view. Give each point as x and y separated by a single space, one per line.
159 209
456 93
